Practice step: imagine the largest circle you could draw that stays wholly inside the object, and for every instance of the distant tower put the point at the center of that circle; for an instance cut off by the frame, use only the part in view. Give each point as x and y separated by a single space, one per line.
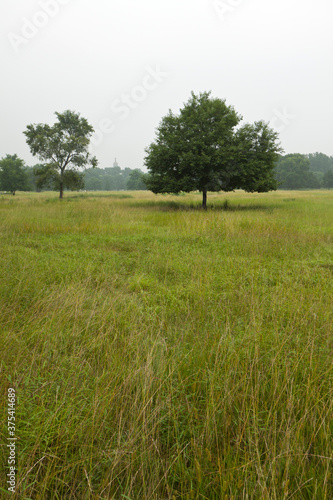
115 163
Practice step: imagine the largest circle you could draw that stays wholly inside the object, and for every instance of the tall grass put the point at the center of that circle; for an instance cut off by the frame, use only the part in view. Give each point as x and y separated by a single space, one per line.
163 352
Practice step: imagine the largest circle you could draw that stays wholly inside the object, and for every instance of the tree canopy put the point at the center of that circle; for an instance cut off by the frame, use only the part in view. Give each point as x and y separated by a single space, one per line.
202 150
63 148
13 174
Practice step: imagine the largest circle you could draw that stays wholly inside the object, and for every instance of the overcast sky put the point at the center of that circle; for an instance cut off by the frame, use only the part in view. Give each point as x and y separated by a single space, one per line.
122 64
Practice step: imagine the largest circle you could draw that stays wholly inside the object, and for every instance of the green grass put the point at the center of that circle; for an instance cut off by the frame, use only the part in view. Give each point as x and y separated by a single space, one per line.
163 352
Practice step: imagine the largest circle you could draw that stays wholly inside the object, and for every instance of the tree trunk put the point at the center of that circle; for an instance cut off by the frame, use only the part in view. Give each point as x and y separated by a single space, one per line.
204 199
61 189
13 192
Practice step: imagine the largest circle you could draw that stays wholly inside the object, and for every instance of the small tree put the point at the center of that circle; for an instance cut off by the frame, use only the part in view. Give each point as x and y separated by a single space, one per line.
13 174
200 149
64 148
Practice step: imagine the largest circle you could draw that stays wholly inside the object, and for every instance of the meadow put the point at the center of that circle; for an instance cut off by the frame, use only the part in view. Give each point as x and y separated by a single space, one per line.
159 351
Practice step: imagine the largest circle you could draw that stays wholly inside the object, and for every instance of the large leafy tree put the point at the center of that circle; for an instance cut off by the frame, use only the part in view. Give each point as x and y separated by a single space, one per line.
202 149
13 174
63 148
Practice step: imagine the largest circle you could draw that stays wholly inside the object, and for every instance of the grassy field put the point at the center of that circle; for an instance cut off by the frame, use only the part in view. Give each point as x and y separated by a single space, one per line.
159 351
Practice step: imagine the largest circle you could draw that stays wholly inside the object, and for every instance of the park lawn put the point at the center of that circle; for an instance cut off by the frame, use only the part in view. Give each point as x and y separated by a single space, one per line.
160 351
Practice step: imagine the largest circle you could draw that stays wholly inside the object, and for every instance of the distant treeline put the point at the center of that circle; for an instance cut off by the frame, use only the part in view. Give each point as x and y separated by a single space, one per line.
99 179
113 179
293 171
313 171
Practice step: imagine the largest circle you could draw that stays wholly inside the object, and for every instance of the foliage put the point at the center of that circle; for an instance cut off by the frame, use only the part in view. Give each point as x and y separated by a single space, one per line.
257 153
64 148
293 172
320 162
106 179
32 180
199 149
46 176
136 181
49 177
13 174
328 179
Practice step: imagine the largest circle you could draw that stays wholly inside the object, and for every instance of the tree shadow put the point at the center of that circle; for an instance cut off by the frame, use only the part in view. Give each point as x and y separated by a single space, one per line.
226 206
89 195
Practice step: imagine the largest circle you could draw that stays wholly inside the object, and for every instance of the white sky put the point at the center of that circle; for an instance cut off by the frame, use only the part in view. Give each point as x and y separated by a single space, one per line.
123 64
